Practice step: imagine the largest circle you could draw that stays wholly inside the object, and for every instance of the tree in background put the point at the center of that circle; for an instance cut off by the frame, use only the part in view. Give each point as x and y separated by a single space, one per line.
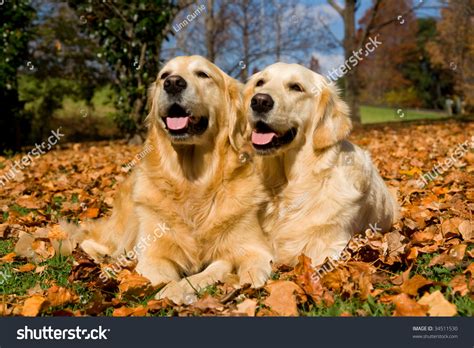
356 38
453 47
243 35
381 72
64 63
431 82
16 20
130 35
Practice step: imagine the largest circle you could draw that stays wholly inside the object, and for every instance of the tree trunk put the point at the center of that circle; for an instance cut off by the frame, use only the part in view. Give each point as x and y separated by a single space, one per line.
351 82
210 31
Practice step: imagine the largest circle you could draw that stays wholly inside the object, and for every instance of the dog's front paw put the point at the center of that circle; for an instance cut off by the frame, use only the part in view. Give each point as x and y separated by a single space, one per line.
256 277
176 292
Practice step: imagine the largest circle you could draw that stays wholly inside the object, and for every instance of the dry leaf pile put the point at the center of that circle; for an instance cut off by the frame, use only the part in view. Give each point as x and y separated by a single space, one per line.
423 266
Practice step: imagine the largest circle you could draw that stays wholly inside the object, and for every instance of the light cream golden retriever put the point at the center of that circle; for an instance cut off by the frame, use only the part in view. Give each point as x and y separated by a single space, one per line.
190 208
322 189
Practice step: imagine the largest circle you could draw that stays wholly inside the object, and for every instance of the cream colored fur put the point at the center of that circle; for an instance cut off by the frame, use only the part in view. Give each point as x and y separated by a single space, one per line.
322 189
203 190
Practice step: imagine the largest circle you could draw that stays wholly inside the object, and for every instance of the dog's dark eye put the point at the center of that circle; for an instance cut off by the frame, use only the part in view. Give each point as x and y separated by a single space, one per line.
202 74
164 75
259 83
296 87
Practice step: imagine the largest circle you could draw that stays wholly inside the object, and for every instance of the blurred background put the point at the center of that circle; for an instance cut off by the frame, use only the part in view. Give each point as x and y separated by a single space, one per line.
85 66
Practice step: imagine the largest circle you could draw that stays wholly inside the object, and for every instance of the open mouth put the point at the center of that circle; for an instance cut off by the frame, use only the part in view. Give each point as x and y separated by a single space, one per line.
265 139
180 123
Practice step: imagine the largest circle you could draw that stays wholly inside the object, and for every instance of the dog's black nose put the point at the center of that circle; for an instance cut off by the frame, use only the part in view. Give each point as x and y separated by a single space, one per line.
262 103
175 84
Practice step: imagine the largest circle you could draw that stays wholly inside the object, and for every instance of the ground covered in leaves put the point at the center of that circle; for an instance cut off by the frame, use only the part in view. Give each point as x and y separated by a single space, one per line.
422 267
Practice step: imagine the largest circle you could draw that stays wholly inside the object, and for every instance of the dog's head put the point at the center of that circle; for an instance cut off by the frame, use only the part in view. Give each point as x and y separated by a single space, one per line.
288 105
192 101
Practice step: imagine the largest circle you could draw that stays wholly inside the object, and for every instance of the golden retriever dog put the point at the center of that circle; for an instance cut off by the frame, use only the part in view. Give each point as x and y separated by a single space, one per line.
322 189
190 208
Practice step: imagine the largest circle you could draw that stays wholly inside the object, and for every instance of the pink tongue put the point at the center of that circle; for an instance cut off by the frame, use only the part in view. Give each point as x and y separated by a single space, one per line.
262 138
177 123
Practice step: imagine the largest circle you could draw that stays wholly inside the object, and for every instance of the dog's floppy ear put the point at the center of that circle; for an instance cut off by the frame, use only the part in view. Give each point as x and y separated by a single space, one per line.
151 102
334 122
237 122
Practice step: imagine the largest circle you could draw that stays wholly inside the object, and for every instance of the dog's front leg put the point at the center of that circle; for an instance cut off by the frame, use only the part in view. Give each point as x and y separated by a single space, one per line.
185 291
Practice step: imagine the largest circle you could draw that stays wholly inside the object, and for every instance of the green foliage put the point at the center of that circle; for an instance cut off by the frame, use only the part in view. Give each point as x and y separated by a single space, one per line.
130 35
15 32
403 97
430 83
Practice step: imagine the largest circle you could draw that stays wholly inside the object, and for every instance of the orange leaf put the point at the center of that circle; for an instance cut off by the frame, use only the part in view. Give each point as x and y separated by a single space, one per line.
133 284
247 307
412 285
282 299
59 296
8 258
459 284
438 305
33 306
26 268
406 307
90 213
139 311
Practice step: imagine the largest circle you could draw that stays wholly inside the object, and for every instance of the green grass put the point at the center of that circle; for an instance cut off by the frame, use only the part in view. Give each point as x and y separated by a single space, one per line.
57 271
375 114
353 306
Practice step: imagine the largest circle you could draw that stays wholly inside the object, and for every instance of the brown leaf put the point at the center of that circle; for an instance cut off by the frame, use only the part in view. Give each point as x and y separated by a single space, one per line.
29 202
156 305
33 306
438 305
412 285
133 285
450 227
247 307
451 258
43 249
208 303
394 242
406 307
459 284
423 237
4 228
470 269
466 228
59 296
282 299
309 280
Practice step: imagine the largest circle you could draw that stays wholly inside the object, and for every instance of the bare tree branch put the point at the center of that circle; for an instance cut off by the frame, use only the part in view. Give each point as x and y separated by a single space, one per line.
369 26
336 7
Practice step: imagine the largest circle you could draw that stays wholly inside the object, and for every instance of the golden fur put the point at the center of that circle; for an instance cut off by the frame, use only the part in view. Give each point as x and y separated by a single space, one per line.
201 190
321 188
